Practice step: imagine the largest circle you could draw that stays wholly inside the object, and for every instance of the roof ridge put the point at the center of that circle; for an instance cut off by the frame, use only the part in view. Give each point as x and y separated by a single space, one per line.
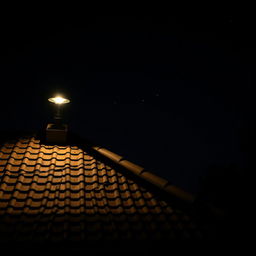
150 177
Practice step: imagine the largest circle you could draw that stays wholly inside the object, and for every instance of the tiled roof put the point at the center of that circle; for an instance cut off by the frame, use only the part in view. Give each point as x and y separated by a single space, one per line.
59 193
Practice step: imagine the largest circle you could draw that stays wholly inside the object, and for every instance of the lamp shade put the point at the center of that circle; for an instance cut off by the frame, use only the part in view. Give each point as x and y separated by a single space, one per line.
59 100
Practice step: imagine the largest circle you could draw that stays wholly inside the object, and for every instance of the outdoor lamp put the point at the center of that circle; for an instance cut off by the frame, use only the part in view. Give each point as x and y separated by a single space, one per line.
57 132
59 101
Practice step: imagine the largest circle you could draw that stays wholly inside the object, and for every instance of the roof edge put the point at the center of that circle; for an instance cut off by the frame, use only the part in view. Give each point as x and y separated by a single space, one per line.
150 177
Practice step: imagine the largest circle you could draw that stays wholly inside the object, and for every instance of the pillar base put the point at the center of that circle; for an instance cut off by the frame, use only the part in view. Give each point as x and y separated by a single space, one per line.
56 133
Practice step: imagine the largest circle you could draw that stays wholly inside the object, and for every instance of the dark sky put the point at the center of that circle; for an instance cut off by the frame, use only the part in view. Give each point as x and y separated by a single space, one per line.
173 94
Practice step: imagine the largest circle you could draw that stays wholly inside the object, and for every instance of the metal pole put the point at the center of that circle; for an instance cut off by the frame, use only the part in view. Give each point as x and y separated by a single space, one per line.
58 116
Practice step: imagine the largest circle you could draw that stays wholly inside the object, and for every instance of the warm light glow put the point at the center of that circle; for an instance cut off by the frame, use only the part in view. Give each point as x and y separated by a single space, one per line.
59 100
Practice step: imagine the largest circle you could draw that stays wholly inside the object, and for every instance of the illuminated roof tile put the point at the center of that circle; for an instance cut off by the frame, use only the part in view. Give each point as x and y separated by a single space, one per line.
57 193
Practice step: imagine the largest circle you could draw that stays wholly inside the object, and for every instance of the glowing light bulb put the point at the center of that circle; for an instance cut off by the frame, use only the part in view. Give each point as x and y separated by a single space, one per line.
59 100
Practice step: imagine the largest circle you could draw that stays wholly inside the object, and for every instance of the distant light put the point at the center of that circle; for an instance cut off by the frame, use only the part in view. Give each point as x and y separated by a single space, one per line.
59 100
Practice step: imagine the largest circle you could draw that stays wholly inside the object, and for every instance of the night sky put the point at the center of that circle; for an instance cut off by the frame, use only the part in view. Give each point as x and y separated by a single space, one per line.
173 94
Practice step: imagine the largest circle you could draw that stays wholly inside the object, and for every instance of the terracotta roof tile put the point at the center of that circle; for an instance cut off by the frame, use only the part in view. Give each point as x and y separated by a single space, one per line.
64 193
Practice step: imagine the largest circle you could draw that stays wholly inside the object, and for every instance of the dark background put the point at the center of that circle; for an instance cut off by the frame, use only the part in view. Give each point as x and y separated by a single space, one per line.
173 94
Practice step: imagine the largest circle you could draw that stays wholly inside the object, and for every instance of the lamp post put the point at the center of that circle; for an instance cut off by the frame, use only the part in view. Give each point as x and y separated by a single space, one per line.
59 102
57 132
